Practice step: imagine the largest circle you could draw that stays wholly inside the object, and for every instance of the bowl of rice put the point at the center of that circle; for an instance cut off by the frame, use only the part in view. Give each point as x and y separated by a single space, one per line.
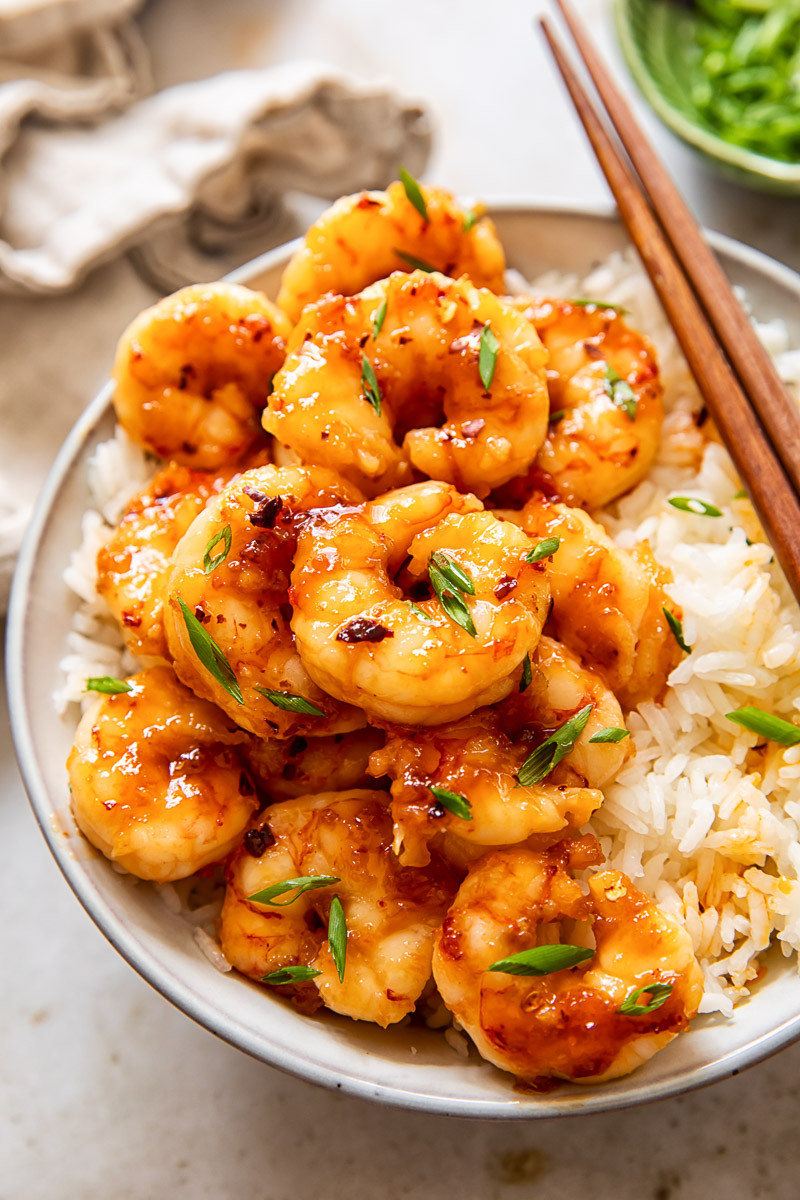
713 839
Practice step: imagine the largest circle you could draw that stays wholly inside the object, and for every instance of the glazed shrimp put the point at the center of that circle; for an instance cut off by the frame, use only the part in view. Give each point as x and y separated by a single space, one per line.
429 409
479 758
566 1024
243 603
362 641
158 781
605 389
193 373
392 914
608 603
365 237
299 766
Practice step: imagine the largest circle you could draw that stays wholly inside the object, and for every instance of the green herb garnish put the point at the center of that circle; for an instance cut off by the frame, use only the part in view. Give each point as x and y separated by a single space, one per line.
210 654
676 627
470 220
380 317
691 504
487 356
416 264
543 960
414 193
210 564
454 802
774 729
303 883
587 303
289 702
659 994
293 974
108 685
545 549
557 416
544 758
415 608
612 733
527 674
337 936
450 598
620 392
455 575
369 384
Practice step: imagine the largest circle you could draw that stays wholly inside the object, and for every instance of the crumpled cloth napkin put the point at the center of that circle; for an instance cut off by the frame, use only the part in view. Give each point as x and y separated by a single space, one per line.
189 181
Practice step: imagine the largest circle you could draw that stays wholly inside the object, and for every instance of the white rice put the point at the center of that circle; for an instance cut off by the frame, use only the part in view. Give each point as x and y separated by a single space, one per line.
713 840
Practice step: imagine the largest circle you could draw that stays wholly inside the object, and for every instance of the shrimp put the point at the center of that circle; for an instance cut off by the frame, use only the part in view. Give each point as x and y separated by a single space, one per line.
606 397
391 914
301 766
394 380
133 564
193 372
479 757
608 603
566 1024
158 781
365 237
363 641
242 603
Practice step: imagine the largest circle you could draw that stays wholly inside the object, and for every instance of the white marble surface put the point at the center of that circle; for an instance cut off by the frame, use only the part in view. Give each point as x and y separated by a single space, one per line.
105 1090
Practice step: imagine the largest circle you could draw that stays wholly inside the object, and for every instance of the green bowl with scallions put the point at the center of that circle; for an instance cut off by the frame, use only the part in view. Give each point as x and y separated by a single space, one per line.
724 75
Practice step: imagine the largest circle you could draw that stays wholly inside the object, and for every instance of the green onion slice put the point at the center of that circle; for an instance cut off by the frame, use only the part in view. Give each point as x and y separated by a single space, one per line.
210 564
677 629
487 356
659 993
414 193
774 729
451 601
543 960
692 505
293 974
417 611
108 685
527 674
303 883
455 575
544 758
470 220
289 702
454 802
588 303
545 549
380 317
210 654
416 264
612 733
369 383
337 936
620 392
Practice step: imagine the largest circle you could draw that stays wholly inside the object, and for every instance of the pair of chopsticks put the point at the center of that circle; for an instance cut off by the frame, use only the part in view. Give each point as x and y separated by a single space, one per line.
756 417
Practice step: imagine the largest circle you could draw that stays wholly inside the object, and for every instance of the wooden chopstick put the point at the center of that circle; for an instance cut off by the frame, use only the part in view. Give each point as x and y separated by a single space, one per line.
753 456
779 414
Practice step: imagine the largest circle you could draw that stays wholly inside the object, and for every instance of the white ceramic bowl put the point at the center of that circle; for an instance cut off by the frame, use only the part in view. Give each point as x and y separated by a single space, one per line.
327 1049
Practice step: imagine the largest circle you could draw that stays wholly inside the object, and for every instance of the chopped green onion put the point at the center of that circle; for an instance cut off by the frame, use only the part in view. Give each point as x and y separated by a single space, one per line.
452 602
293 974
210 564
544 758
414 193
487 356
620 392
545 549
415 608
676 627
210 654
740 495
470 220
557 416
455 575
337 936
527 674
380 317
369 383
108 685
454 802
612 733
543 960
774 729
585 303
289 702
416 264
692 505
303 883
659 994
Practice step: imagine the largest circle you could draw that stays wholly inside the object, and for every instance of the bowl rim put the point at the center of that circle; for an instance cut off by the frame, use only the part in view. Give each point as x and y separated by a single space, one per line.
697 136
180 993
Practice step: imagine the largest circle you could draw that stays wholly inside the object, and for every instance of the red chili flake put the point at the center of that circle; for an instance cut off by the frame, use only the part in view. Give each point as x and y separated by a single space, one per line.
363 629
256 841
265 516
505 587
471 429
201 614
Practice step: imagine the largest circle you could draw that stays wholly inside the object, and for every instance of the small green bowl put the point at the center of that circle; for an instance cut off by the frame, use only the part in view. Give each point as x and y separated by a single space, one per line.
653 35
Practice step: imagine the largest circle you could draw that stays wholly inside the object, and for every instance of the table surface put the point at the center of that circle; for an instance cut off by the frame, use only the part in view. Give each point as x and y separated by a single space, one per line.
107 1091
